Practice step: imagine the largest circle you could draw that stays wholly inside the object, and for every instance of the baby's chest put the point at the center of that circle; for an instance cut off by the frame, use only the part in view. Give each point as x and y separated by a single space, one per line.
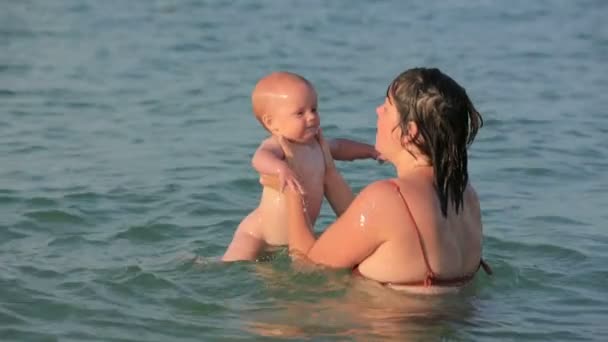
310 167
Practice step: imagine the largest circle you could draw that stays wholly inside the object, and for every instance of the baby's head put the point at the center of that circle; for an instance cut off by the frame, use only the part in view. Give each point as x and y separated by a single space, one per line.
286 105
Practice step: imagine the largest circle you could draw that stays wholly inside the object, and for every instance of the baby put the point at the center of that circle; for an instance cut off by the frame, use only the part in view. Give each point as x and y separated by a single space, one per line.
286 106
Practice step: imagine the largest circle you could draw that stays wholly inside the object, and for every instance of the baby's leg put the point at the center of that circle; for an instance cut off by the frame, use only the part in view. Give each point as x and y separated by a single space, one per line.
247 241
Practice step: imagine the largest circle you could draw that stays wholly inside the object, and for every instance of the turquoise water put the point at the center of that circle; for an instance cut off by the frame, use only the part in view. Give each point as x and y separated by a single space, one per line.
126 135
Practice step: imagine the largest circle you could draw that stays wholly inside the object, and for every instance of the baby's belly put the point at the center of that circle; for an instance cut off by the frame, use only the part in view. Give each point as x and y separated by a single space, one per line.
314 199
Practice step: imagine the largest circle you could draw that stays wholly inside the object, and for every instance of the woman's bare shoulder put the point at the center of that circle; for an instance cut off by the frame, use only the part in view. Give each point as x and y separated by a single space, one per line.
378 188
382 196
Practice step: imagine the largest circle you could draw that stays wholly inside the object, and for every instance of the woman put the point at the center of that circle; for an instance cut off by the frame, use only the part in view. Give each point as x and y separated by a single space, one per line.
422 230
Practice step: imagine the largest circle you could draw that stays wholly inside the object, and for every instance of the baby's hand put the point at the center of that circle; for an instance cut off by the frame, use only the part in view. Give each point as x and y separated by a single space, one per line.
287 177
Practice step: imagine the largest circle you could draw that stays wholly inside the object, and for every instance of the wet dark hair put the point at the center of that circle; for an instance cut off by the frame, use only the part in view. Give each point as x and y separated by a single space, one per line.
447 124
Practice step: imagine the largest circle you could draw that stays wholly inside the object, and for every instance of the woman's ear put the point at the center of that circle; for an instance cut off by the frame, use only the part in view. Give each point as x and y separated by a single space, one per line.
412 130
410 134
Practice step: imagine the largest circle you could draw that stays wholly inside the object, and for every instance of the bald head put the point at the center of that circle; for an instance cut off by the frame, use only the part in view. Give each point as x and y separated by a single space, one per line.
274 87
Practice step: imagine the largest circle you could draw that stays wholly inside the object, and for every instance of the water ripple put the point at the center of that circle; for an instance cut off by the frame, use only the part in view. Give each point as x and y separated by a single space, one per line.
55 217
126 138
149 232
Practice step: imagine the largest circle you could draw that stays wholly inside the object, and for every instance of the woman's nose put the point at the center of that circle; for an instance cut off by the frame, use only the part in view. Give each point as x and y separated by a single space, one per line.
379 109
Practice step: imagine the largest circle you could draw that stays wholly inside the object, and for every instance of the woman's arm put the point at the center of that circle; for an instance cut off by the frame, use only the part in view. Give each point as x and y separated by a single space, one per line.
355 235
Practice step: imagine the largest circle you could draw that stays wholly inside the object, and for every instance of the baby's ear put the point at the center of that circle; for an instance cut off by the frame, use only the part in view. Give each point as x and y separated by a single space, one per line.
267 120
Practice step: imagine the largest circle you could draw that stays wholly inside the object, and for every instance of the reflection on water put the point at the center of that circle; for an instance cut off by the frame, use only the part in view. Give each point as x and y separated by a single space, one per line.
355 308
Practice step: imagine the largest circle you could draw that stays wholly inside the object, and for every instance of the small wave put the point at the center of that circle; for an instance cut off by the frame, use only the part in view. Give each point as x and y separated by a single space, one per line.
38 271
8 192
55 216
29 149
534 266
9 199
9 317
63 190
216 213
531 171
83 196
133 278
14 67
25 334
7 93
595 277
146 280
493 139
189 47
520 248
198 122
41 202
71 240
186 168
577 133
556 219
244 184
9 233
193 306
149 233
583 299
131 197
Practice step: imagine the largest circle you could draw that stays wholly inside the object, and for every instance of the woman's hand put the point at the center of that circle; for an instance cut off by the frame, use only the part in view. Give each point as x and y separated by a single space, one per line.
281 181
287 177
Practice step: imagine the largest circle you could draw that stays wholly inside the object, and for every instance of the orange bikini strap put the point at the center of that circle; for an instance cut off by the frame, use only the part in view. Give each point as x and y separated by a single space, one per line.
485 267
429 272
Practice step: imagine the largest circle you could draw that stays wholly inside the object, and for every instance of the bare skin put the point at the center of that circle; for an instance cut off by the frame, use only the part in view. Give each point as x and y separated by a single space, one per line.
374 230
286 105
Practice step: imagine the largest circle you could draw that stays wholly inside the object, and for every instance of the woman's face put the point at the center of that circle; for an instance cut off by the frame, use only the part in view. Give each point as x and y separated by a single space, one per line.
388 131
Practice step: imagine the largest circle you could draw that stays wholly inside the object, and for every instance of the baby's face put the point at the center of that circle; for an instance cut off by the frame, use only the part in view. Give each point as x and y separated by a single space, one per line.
294 113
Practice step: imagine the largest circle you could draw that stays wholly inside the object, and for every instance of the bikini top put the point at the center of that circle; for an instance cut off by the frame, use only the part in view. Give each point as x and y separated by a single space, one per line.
431 278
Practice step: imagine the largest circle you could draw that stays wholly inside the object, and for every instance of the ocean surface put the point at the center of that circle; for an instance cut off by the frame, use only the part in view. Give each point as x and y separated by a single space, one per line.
125 142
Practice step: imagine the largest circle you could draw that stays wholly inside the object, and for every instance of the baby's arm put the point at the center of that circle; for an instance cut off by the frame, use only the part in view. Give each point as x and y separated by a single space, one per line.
346 149
269 159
